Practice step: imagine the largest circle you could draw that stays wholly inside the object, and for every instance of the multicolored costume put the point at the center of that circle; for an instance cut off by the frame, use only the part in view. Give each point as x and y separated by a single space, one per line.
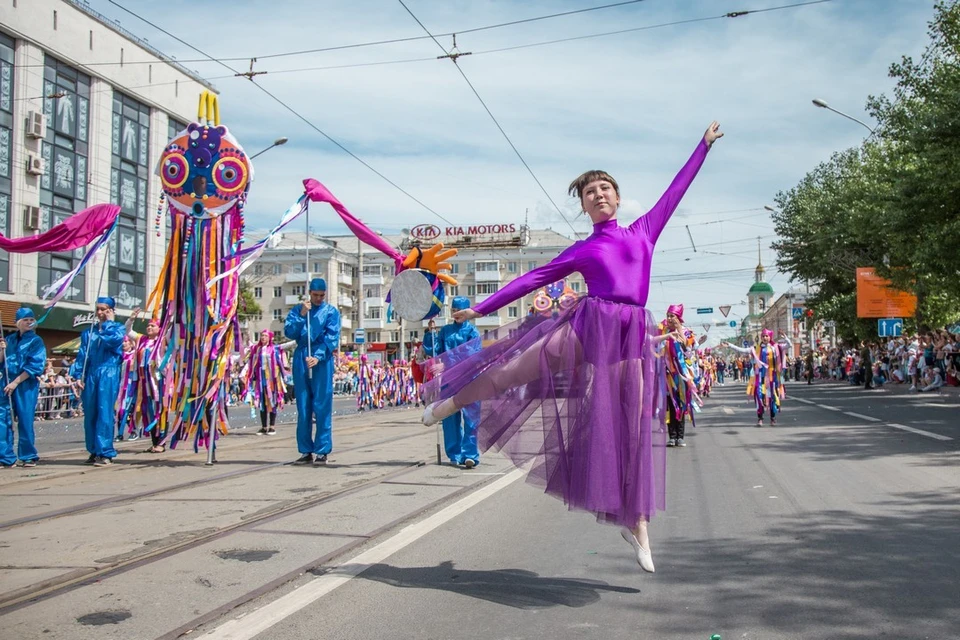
681 396
590 372
766 383
266 369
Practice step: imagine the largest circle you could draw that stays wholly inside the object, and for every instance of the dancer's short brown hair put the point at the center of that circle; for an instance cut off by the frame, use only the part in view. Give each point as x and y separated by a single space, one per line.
576 187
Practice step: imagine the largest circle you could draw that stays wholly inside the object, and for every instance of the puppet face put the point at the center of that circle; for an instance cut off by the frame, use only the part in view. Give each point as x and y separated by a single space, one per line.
204 171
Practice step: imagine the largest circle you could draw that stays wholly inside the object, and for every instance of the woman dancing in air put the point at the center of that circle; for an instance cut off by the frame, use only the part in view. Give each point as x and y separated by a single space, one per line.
591 370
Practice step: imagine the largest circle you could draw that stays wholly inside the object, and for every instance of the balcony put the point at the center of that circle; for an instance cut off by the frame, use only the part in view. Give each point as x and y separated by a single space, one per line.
291 300
344 279
373 302
371 279
295 277
487 276
487 322
480 297
345 302
346 323
373 323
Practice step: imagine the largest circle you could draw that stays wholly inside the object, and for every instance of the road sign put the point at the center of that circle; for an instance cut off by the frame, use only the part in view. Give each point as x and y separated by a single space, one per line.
797 313
706 327
890 327
360 336
702 310
724 309
829 324
733 324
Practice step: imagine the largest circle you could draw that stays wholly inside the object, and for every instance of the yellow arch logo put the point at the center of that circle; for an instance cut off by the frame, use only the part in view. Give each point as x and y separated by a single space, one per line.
208 111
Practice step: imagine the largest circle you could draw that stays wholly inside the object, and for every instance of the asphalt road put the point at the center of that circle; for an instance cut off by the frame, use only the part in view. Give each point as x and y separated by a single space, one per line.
840 522
826 526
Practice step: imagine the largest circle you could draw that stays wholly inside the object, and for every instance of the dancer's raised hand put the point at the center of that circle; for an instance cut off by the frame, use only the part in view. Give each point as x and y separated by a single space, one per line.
713 133
465 314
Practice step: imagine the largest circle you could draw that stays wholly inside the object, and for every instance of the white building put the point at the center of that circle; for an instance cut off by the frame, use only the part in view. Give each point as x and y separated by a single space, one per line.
85 110
483 265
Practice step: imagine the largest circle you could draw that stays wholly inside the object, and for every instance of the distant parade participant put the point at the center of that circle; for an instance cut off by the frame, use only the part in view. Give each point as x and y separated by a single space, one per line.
148 392
128 391
766 384
25 357
315 326
591 371
97 368
266 369
459 428
681 393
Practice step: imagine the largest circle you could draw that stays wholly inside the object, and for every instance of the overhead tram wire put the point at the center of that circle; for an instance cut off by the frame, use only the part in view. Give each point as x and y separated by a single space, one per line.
453 57
731 14
288 108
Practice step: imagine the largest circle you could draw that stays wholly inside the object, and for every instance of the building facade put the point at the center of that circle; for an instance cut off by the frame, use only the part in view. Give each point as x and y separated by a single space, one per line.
85 110
485 263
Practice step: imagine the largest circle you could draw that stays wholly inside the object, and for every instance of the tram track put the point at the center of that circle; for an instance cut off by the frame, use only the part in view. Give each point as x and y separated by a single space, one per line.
77 578
121 499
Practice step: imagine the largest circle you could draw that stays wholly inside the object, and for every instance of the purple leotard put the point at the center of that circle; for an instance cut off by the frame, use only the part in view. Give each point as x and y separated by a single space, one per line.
615 261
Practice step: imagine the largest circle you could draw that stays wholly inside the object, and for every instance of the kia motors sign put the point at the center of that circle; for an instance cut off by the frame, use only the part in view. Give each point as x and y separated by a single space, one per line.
425 232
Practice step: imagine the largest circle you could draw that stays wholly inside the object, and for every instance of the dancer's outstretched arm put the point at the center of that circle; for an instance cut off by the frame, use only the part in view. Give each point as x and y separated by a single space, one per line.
654 221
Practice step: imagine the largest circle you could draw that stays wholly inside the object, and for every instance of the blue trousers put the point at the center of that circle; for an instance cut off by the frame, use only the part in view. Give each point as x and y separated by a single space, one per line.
23 404
100 392
460 435
315 408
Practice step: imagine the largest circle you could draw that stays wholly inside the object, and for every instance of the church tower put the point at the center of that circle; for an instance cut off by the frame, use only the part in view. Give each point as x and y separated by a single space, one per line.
760 293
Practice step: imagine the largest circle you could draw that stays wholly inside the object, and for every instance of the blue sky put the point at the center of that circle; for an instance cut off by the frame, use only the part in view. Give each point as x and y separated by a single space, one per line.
633 104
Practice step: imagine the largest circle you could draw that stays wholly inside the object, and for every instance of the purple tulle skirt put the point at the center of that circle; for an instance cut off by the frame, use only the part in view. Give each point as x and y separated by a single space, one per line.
577 397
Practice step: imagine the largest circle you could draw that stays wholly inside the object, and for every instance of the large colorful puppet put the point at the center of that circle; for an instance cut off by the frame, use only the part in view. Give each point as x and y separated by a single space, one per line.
552 299
206 177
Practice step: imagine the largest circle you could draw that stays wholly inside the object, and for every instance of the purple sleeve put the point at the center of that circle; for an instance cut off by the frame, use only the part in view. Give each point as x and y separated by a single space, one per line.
653 222
319 193
557 269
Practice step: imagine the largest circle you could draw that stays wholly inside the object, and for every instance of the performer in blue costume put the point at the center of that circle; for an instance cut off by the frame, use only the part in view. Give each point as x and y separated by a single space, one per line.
26 358
98 368
460 429
315 352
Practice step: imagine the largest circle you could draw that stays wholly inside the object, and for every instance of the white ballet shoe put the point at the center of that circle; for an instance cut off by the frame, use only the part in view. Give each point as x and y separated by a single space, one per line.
428 419
644 557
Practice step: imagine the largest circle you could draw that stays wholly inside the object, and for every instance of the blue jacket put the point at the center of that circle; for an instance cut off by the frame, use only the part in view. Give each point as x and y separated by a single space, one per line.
454 335
106 349
26 353
324 332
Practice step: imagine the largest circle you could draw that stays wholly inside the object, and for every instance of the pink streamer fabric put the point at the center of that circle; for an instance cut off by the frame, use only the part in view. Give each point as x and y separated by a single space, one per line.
319 193
78 230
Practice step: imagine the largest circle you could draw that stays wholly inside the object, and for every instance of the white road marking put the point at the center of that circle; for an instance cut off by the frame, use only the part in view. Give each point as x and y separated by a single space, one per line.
804 400
935 436
727 410
256 622
862 417
828 407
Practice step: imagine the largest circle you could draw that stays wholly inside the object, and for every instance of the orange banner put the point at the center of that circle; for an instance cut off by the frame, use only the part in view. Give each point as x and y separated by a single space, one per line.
877 299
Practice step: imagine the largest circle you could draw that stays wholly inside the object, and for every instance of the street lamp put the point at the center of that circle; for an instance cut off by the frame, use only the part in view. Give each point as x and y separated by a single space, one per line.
276 143
823 105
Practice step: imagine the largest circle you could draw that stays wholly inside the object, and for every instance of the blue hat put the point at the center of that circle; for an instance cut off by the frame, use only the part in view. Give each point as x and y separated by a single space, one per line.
459 303
107 300
24 312
318 284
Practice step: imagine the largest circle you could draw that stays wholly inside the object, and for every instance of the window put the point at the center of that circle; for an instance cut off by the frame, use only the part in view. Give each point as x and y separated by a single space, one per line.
414 335
129 177
317 267
575 286
6 150
486 288
174 127
454 291
455 267
63 186
373 336
299 267
470 267
512 267
488 266
258 269
374 313
277 292
258 292
277 269
278 314
531 265
371 270
471 290
394 336
513 312
372 291
299 290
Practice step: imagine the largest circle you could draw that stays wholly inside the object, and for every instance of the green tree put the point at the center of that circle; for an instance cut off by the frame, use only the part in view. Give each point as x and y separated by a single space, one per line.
248 307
